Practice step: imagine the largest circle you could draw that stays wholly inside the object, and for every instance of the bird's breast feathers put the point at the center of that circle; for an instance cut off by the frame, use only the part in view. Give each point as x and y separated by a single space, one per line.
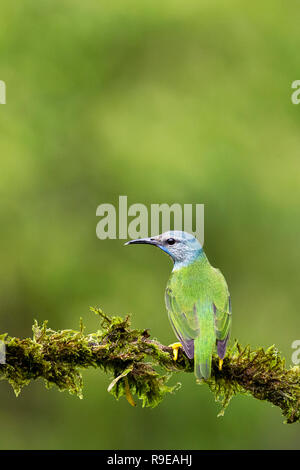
196 283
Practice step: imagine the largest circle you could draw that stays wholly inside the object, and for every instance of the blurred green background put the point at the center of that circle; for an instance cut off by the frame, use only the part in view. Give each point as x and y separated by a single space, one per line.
162 102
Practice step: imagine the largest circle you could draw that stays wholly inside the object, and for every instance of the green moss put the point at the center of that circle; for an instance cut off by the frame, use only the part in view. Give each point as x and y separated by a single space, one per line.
261 374
142 367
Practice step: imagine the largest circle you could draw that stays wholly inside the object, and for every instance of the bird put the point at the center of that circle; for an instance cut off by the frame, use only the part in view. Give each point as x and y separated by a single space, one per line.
197 301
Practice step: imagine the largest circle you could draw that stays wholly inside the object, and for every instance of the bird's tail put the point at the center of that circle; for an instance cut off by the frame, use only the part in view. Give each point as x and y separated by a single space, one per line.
204 346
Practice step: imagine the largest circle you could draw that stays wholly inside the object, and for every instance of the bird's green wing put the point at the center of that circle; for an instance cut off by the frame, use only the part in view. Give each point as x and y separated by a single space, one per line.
194 327
222 314
201 324
222 320
184 322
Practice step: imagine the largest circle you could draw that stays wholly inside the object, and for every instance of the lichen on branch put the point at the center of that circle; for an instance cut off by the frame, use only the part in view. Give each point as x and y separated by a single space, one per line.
141 366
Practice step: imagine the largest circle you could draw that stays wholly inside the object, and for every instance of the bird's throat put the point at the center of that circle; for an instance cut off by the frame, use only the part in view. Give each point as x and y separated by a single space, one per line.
197 256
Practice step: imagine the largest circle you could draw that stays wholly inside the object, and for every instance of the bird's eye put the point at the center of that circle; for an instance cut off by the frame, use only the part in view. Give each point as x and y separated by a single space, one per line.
170 241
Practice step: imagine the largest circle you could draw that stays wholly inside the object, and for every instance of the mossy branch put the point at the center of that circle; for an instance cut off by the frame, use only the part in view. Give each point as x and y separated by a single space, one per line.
142 366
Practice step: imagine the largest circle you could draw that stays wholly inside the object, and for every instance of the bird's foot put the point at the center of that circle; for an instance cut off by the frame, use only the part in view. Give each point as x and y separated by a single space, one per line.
175 347
220 364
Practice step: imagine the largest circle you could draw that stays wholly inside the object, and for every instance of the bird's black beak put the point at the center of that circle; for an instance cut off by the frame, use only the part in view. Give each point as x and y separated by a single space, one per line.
143 241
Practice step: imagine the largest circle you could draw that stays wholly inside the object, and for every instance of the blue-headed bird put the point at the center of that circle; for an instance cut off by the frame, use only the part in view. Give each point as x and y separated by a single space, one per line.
197 300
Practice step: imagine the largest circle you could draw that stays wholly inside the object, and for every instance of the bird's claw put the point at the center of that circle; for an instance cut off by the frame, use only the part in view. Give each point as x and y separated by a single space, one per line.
175 347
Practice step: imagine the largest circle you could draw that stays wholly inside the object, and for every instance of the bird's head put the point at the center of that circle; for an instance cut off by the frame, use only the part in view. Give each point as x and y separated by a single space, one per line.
181 246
